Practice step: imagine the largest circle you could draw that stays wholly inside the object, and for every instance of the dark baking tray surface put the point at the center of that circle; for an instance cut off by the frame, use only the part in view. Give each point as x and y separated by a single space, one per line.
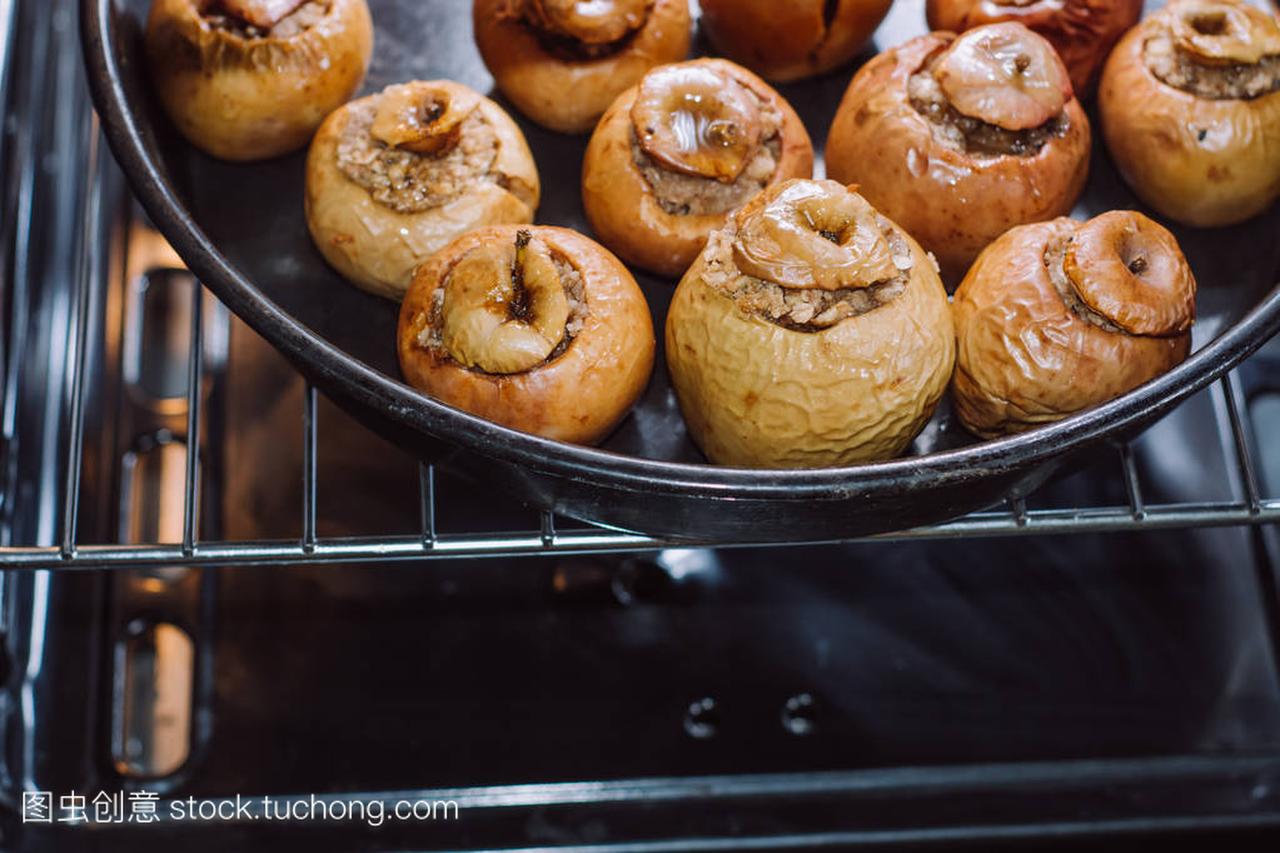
241 229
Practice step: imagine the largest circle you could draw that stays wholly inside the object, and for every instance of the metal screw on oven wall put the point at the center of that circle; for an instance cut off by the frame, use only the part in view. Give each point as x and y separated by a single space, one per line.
799 714
702 720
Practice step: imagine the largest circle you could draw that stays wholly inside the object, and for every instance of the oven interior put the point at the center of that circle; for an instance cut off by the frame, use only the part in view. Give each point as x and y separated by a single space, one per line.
302 609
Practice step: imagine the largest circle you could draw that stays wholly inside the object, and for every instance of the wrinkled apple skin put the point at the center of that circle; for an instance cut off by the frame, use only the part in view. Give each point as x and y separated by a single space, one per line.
252 99
757 395
579 396
952 202
1024 358
620 204
376 247
570 96
1199 161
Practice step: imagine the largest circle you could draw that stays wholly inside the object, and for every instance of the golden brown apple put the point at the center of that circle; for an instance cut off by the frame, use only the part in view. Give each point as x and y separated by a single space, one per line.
258 86
539 329
812 331
958 139
562 62
1190 105
676 154
1060 316
396 176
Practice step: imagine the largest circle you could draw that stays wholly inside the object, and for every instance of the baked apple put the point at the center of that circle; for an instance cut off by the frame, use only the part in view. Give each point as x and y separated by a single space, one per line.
394 177
786 41
253 79
539 329
1082 31
562 62
960 138
1060 316
1190 107
812 331
675 154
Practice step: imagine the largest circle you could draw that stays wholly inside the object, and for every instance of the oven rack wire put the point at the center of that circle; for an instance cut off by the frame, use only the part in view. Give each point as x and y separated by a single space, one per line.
63 549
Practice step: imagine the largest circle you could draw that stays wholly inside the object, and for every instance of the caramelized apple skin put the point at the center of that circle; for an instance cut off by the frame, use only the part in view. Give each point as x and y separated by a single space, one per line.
786 40
244 99
1025 358
756 394
569 95
953 202
579 396
1200 161
1082 31
376 247
622 207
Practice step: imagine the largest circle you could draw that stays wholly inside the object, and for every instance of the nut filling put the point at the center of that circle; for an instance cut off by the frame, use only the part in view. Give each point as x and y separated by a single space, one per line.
410 182
542 297
299 20
970 135
685 195
804 309
1179 68
1055 255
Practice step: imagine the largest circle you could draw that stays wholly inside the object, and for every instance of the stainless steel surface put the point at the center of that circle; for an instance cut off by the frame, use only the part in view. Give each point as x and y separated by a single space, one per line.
153 693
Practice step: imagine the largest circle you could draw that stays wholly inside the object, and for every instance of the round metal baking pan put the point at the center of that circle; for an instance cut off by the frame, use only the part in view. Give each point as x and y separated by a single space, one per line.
240 228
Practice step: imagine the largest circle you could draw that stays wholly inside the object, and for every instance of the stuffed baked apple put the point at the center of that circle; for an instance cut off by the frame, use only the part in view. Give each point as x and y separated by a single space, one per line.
1060 316
812 331
393 177
252 79
960 138
562 62
539 329
676 154
1190 104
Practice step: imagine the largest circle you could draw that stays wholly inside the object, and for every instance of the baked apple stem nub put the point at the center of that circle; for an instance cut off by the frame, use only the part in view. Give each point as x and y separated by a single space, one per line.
505 308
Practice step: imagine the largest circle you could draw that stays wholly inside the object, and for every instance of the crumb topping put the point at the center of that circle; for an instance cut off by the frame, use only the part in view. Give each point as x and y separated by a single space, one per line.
1055 254
408 182
1175 67
804 309
970 135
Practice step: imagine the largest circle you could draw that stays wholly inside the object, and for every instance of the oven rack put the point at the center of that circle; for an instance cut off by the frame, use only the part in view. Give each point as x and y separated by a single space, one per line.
96 253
